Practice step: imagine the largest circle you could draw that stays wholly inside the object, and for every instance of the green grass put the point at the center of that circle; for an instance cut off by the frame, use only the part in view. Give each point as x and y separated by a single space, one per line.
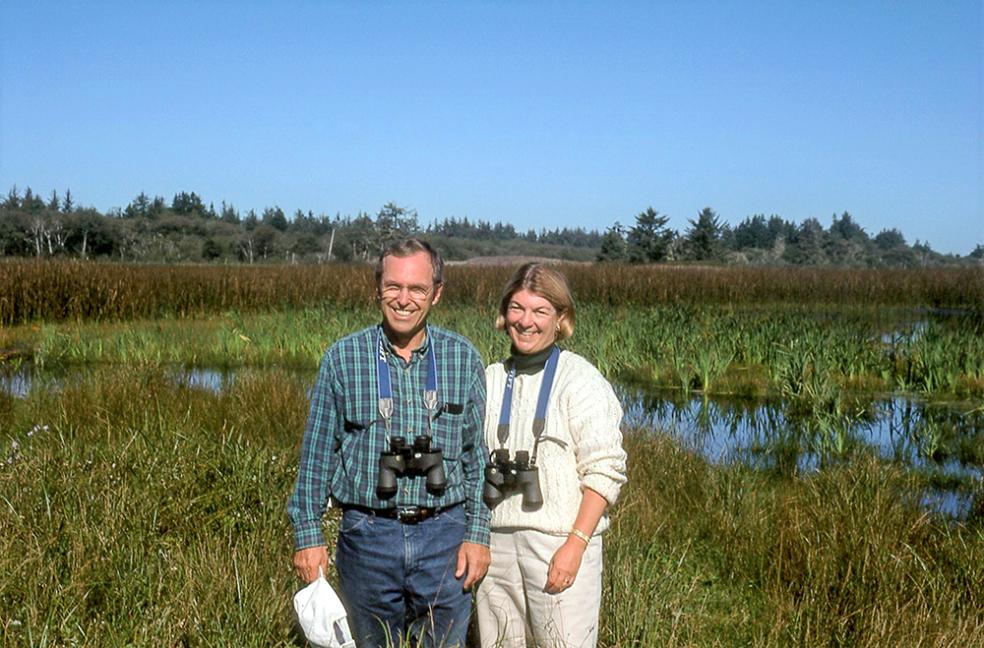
810 359
150 513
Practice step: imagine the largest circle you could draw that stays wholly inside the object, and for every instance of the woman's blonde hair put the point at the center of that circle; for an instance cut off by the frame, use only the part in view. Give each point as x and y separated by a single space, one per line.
547 283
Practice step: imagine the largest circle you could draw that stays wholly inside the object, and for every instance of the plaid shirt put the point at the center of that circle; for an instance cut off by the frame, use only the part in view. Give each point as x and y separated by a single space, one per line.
345 433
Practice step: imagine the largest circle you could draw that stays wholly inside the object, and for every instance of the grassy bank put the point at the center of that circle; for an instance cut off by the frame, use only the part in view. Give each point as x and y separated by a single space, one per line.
137 511
810 357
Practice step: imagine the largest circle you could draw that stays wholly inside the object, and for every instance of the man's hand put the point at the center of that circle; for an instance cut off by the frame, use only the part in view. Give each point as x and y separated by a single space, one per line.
307 561
473 562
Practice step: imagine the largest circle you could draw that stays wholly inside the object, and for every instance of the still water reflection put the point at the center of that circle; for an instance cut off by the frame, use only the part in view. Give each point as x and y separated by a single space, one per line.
943 441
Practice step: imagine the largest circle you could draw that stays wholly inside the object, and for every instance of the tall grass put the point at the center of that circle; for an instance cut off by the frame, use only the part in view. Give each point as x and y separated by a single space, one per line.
724 557
138 511
791 352
32 291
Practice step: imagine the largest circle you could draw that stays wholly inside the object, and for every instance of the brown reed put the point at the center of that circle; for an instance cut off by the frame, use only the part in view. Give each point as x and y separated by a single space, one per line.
33 291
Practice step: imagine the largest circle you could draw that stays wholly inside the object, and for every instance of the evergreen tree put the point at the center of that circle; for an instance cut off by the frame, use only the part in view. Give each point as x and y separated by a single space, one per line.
13 198
187 204
229 214
753 232
139 207
702 242
649 240
888 239
613 246
806 245
275 218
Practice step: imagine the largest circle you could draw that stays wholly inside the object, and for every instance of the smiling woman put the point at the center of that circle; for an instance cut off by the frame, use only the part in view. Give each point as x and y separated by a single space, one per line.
559 420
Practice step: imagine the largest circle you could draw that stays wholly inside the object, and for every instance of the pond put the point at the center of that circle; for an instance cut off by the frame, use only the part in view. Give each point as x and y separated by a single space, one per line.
944 441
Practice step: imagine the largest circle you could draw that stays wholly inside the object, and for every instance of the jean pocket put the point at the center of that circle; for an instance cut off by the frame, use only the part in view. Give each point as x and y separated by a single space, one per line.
355 522
454 516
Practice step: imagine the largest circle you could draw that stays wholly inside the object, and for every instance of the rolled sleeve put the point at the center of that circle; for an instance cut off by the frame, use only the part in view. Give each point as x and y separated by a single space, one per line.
595 417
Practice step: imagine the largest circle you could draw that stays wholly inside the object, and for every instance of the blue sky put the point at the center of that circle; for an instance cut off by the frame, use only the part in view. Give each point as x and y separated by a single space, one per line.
538 114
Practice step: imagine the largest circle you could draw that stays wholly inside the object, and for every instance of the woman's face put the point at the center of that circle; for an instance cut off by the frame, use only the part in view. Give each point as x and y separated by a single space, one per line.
531 321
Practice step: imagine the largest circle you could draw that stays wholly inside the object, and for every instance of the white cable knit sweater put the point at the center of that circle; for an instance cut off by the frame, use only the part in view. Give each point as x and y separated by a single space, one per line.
580 447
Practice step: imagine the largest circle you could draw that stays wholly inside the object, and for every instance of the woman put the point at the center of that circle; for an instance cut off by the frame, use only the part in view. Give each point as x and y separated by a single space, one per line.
543 587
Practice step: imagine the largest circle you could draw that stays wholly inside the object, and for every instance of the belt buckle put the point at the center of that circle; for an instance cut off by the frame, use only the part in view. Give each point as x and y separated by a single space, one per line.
409 515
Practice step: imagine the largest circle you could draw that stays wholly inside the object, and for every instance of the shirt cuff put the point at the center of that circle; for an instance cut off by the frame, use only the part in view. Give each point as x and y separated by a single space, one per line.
308 535
478 532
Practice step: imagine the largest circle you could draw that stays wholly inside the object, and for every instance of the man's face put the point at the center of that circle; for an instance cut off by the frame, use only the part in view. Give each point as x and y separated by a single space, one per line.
406 294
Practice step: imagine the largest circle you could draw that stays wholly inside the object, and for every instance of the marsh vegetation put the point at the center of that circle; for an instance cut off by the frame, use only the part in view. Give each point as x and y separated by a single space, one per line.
143 507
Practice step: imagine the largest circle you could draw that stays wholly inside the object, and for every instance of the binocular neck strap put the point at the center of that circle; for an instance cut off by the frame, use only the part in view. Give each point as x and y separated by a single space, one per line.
385 385
539 420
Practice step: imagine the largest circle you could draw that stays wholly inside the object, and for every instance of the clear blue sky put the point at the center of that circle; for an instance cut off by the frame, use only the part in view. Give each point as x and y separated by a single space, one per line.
536 114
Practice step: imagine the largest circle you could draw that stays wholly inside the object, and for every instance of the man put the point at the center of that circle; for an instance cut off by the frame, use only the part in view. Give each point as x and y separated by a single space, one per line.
409 547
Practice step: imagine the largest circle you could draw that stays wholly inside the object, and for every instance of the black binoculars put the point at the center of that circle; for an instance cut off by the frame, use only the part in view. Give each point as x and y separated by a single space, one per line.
504 477
404 460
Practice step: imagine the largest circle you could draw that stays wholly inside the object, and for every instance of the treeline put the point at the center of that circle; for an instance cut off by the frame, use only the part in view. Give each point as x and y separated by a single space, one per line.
150 229
761 240
186 229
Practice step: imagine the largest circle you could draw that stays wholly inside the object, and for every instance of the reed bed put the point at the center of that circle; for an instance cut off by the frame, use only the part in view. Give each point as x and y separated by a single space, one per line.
139 511
33 291
812 358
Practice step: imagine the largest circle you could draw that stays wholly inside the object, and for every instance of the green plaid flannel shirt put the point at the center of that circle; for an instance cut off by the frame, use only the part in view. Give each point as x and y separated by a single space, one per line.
345 433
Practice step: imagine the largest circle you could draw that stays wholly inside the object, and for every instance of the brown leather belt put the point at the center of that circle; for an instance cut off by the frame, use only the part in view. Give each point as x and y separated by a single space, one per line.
405 514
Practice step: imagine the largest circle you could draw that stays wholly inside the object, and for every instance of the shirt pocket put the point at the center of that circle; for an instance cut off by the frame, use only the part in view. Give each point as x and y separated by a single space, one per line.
447 431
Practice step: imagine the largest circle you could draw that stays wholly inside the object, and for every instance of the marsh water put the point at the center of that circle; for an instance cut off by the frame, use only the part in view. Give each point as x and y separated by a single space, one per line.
943 441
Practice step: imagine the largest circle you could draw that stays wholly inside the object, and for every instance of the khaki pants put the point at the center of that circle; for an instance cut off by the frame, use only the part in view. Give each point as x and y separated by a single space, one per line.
514 611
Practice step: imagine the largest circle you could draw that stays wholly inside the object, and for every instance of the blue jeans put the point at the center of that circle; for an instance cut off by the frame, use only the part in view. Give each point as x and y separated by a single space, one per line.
397 580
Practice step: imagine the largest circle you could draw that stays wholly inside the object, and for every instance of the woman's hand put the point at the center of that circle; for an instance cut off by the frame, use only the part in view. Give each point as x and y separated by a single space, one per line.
564 565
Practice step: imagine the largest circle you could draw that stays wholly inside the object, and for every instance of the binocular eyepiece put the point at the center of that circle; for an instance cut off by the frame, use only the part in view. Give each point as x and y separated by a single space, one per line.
504 477
403 460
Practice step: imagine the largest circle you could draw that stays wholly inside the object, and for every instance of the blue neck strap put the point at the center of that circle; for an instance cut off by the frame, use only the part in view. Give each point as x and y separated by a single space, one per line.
386 386
539 419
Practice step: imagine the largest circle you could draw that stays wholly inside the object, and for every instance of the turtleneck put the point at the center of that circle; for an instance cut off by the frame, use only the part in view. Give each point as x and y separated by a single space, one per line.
530 363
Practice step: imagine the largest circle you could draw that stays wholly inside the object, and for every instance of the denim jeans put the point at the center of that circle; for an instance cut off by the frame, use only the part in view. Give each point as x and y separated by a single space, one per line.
398 579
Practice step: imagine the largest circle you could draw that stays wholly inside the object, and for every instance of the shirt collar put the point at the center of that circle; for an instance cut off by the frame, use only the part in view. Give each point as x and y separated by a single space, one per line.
419 352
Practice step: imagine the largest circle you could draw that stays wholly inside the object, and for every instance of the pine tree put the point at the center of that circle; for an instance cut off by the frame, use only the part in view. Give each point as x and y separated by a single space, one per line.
650 239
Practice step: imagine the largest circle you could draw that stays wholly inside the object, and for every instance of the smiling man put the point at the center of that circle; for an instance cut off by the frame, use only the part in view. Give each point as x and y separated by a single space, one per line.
394 437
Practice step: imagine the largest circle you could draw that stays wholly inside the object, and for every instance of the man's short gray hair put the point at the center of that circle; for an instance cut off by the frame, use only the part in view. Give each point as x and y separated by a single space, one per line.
408 247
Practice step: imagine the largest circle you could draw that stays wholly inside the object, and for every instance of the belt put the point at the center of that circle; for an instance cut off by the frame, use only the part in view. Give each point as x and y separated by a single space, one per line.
405 514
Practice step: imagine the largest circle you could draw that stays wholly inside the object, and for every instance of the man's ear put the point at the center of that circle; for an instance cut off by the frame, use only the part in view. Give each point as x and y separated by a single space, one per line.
438 291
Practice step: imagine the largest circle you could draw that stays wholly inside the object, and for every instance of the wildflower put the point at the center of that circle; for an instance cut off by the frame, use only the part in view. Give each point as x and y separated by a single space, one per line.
14 445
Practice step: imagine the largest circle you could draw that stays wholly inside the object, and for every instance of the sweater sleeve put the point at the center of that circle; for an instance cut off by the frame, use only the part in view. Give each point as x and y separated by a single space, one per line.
594 416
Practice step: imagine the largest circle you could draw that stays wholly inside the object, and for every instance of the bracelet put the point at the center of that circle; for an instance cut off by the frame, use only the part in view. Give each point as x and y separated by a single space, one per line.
580 535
